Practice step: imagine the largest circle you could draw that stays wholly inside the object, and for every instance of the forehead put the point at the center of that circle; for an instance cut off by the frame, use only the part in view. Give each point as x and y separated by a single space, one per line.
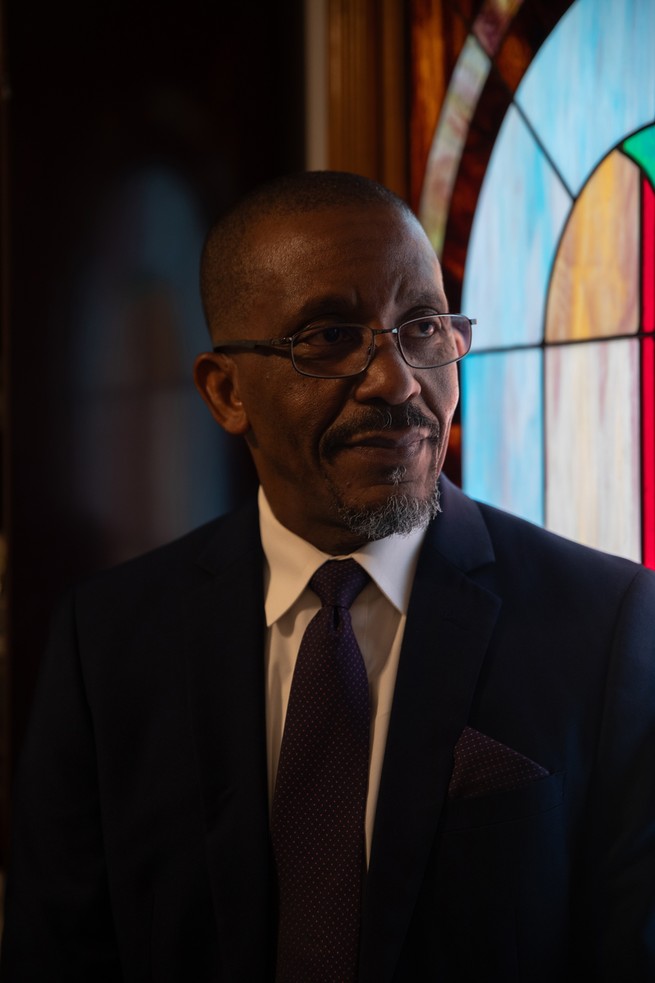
363 257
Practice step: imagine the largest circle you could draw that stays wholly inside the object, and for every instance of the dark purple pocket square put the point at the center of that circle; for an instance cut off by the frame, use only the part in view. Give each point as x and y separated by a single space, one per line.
483 765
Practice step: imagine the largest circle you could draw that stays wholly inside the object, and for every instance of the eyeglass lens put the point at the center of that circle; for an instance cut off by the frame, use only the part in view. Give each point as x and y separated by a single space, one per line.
344 349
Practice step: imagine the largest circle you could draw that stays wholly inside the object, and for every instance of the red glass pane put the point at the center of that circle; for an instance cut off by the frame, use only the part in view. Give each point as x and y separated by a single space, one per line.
648 372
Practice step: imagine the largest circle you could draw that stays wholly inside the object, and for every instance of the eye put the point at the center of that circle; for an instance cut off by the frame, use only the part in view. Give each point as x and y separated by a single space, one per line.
424 327
328 336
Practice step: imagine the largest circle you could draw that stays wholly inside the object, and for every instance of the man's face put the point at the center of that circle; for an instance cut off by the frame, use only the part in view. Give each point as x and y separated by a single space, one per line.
327 447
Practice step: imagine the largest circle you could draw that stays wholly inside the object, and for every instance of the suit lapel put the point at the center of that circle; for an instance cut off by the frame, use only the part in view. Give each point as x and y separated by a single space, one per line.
449 623
226 688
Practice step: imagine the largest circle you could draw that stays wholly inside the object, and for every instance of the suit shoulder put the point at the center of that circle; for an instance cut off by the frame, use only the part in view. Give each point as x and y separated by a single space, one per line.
480 537
176 566
530 548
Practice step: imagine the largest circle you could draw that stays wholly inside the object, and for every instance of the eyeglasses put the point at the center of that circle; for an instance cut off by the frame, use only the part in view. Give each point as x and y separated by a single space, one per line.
337 351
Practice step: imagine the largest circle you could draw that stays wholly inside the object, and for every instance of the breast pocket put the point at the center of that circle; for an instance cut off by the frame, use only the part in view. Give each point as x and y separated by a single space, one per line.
495 899
506 806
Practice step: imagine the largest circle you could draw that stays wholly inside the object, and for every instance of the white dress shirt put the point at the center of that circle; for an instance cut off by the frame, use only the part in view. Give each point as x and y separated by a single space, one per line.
378 618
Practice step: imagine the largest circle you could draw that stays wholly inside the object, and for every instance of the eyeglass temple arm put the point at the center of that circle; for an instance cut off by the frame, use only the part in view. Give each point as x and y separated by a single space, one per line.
248 343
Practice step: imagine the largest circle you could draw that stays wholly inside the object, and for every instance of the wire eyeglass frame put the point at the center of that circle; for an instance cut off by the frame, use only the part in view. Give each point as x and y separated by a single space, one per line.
459 325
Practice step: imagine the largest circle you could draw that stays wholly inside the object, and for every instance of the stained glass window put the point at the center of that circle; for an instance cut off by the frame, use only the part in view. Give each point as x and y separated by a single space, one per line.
558 393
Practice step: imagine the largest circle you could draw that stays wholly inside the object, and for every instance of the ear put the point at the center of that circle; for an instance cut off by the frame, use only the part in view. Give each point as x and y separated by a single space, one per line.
217 379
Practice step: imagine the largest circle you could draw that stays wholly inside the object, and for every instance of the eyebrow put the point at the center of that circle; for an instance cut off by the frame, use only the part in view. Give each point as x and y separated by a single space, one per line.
328 304
434 298
343 306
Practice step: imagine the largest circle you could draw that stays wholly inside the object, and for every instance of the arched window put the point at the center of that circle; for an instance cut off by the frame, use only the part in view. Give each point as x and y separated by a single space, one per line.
558 394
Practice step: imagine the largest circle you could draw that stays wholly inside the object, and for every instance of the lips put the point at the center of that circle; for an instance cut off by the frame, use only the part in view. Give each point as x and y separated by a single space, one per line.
384 453
399 430
390 440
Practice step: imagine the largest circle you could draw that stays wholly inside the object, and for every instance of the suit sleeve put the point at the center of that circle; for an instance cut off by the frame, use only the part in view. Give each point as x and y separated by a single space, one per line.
58 921
621 861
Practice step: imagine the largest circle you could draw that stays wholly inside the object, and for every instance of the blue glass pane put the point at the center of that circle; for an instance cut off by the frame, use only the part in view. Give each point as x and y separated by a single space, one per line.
502 427
597 67
521 211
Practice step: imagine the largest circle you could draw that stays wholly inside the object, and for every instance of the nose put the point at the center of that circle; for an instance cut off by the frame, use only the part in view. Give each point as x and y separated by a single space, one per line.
388 377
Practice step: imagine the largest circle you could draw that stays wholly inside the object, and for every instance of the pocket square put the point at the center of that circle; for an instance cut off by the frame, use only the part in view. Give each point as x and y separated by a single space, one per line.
483 765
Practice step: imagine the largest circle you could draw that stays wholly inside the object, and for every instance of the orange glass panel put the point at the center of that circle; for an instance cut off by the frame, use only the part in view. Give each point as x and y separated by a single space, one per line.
595 284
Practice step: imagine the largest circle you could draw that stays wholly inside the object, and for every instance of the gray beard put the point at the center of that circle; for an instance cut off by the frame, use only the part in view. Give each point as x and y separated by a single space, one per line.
399 515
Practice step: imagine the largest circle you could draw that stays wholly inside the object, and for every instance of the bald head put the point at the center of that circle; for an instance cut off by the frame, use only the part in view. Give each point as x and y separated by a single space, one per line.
229 269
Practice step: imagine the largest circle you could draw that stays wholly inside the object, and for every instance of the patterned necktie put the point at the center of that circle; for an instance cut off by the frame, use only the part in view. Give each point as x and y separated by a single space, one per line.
319 803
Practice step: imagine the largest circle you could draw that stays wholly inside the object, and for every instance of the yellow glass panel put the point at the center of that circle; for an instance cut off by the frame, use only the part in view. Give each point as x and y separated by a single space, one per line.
594 290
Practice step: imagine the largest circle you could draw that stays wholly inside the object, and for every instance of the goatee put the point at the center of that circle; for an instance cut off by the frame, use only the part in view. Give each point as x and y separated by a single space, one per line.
399 515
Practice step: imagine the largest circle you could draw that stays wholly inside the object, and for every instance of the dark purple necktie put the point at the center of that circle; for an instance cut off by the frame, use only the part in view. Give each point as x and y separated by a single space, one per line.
319 803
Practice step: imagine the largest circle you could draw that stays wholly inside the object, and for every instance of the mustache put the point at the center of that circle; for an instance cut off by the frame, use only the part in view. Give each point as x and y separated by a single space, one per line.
375 419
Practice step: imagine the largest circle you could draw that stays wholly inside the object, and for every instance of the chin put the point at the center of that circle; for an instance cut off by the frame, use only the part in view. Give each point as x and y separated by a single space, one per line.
398 513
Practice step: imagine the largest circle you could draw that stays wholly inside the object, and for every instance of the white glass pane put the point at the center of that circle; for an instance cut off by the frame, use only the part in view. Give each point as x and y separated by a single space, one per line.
592 445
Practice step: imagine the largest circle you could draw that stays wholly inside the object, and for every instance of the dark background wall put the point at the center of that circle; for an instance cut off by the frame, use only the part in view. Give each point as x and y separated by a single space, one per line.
131 126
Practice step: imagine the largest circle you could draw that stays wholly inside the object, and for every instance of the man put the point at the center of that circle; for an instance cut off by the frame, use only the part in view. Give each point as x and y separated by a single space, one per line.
507 830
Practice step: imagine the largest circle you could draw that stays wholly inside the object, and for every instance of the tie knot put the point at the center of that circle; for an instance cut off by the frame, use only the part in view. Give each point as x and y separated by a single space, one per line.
338 582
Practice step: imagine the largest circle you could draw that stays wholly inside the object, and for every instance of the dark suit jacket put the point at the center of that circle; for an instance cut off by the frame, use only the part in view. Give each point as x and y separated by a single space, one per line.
141 847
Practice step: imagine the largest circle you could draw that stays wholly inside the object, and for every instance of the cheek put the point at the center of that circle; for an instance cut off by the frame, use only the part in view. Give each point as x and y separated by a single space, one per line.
287 412
441 393
453 392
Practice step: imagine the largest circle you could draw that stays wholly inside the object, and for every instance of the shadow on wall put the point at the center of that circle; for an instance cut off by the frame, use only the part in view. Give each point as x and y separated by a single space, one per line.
149 463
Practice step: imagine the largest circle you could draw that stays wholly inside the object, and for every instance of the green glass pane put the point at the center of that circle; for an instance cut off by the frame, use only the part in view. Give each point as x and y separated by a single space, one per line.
641 147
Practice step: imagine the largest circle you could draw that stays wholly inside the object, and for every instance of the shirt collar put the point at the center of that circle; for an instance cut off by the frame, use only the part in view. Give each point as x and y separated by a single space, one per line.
292 561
